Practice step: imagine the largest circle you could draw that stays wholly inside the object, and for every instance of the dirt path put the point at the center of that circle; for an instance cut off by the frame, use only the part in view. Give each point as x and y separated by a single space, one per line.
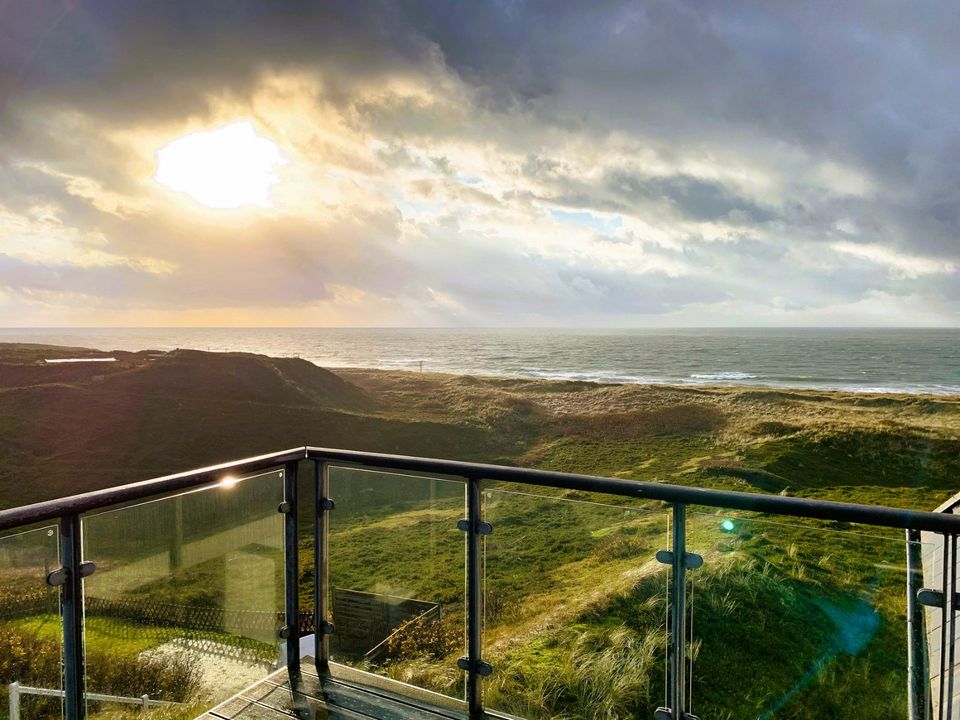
220 675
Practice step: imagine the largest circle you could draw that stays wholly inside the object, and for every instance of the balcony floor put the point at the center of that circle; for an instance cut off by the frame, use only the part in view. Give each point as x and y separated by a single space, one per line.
343 693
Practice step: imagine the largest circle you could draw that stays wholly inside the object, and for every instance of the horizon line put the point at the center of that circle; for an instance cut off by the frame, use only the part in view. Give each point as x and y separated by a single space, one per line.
477 327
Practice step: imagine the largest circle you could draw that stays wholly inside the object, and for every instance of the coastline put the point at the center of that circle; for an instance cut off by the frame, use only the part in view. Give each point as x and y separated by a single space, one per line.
580 379
732 380
894 361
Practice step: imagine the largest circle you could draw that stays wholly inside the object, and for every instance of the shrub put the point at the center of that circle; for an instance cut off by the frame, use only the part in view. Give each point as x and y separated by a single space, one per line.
32 661
426 637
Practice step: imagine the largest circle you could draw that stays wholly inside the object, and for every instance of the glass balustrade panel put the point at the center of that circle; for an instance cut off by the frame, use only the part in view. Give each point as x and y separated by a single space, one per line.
396 577
574 604
793 618
187 599
31 631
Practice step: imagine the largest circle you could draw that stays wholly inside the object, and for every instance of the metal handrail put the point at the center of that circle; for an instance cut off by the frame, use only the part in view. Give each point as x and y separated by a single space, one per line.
99 499
879 515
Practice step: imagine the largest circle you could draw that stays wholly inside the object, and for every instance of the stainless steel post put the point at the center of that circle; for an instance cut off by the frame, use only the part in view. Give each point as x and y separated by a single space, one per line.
291 632
473 527
918 671
321 568
678 614
71 610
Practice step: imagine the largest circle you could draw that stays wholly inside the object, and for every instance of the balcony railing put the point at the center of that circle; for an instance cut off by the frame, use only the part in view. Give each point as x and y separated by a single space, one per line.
474 590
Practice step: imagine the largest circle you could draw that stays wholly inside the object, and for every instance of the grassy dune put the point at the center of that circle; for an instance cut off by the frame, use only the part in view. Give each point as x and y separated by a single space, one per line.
885 449
791 618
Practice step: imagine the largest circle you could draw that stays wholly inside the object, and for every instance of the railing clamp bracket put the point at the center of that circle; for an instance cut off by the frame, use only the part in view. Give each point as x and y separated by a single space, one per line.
60 576
284 632
483 669
326 628
326 504
483 528
691 561
663 713
934 598
285 507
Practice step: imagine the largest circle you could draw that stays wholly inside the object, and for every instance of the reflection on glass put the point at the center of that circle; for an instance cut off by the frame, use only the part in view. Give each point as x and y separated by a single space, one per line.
187 598
30 628
396 576
812 613
574 606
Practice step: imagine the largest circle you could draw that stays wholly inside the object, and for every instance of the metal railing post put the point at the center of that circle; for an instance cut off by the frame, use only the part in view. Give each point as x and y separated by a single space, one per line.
291 632
678 614
949 620
679 561
918 672
323 628
473 527
71 611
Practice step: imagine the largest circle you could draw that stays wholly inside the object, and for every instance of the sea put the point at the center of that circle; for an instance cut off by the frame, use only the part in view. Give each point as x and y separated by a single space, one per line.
854 360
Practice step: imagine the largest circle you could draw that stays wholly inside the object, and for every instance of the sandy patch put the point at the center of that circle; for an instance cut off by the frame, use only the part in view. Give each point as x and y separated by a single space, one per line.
220 675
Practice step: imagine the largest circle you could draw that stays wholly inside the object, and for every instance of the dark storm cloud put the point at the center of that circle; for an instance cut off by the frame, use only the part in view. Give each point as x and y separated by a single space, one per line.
874 84
846 114
148 60
689 196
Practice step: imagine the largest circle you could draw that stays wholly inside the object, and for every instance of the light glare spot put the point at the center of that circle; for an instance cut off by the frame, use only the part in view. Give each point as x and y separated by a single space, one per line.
225 168
228 482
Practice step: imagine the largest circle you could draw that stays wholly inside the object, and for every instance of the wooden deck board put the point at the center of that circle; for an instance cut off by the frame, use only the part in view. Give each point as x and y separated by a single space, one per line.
338 696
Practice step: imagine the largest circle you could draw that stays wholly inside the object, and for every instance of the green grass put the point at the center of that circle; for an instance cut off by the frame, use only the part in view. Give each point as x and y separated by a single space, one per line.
115 635
811 612
792 619
102 634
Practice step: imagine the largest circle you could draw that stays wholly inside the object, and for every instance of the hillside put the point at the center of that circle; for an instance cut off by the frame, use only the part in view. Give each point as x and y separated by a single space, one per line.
70 428
883 449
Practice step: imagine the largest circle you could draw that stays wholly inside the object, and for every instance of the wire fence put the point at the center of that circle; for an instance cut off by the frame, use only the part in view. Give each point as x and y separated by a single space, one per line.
244 635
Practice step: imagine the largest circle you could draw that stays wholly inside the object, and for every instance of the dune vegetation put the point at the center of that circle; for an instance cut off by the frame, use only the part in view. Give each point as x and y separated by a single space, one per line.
791 618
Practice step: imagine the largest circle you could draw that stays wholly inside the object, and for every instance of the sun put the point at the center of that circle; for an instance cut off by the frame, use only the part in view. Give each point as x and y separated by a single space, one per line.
229 167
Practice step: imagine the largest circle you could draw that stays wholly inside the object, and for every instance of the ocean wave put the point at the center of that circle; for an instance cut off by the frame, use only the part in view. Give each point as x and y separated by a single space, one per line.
909 389
598 376
723 376
401 361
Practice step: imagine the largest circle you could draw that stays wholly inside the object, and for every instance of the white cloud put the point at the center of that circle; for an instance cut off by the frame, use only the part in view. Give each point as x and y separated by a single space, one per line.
899 264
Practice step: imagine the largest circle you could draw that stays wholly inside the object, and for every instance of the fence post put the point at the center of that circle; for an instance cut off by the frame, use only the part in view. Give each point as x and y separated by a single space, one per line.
291 631
14 701
176 541
321 565
144 702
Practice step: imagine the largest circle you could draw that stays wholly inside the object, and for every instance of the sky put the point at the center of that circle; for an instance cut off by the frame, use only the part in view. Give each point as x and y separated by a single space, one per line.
503 163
